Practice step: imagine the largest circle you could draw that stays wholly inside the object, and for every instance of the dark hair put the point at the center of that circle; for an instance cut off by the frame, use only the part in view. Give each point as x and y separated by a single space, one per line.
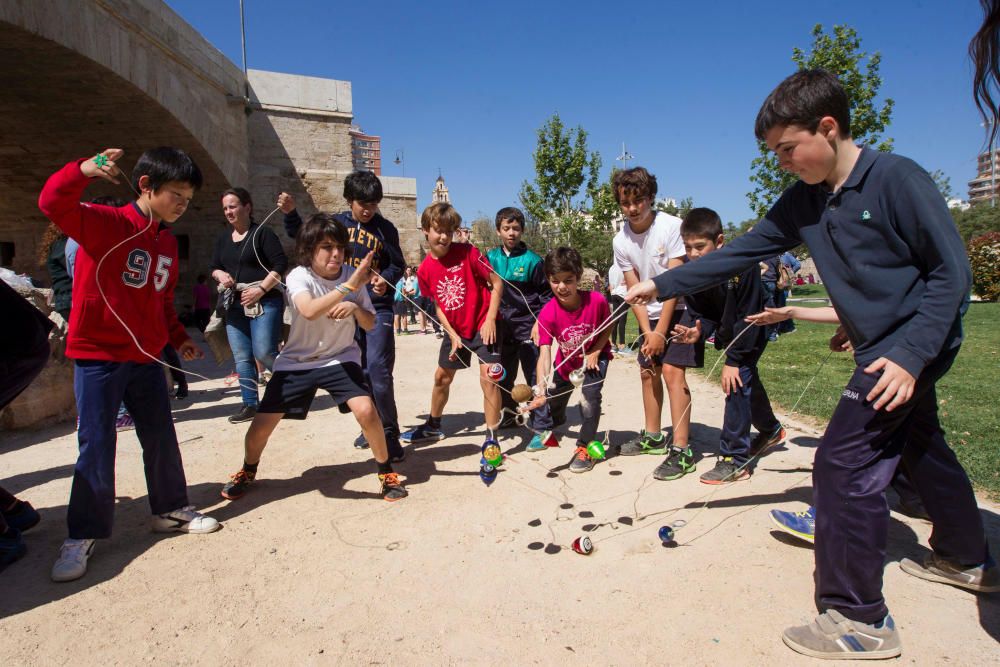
803 99
165 164
443 214
984 49
563 260
703 223
634 182
109 200
202 277
510 214
362 186
317 228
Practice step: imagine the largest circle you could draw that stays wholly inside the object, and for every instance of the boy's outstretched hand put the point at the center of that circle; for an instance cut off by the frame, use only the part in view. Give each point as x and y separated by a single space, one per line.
894 388
105 167
189 351
641 293
770 316
687 335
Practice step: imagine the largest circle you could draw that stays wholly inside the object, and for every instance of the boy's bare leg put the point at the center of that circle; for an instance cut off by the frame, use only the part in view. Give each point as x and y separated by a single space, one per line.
260 431
652 398
680 403
491 398
363 409
439 394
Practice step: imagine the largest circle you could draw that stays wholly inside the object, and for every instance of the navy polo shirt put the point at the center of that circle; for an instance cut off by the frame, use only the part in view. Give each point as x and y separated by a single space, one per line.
886 246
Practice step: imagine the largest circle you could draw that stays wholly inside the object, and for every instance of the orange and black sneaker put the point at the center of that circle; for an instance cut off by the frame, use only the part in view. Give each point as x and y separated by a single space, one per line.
392 488
582 461
238 484
764 441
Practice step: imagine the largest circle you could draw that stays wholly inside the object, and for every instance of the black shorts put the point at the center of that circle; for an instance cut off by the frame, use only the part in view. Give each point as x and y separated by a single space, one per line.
682 355
292 392
488 354
400 307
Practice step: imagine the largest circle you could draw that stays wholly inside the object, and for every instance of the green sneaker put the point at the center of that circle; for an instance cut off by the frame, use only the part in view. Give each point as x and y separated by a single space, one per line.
645 443
678 463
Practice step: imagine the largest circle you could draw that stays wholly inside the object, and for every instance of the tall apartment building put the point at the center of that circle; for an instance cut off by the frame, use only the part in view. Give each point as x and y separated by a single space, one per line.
366 151
986 185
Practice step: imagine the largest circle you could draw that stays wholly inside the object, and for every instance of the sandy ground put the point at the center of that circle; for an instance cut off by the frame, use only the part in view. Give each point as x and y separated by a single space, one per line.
313 567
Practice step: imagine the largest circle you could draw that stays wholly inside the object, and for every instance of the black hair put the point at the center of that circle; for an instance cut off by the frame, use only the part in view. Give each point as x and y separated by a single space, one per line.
703 223
165 164
510 214
318 227
803 99
563 260
634 182
362 186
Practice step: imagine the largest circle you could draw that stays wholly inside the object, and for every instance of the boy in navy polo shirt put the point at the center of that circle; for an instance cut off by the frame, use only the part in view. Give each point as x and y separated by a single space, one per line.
897 273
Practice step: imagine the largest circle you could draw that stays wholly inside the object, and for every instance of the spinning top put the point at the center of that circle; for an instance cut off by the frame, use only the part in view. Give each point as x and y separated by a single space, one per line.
496 372
487 473
576 377
491 453
521 393
596 450
666 534
583 545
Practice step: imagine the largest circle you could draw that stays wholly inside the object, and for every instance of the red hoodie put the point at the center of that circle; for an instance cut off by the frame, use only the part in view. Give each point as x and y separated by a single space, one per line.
138 276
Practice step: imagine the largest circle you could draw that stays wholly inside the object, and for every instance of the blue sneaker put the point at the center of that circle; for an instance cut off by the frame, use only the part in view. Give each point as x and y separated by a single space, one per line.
800 524
22 517
422 433
537 443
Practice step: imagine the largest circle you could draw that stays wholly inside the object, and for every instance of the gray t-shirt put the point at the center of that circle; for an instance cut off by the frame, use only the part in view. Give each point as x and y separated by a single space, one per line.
323 341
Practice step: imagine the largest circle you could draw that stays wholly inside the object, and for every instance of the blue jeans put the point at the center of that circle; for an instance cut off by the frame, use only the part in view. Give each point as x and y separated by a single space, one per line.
747 405
251 339
378 358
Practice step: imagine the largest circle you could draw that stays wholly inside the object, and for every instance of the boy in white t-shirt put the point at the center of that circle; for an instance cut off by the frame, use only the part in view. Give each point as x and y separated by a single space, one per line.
326 305
649 244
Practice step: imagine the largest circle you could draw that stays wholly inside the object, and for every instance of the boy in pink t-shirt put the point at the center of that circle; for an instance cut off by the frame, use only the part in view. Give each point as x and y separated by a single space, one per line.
576 322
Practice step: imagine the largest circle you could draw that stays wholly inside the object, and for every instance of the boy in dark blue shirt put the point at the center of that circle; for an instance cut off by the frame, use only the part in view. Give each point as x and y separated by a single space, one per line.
897 274
724 308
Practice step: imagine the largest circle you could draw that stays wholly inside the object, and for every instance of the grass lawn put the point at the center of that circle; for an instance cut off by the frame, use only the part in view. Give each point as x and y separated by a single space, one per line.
970 418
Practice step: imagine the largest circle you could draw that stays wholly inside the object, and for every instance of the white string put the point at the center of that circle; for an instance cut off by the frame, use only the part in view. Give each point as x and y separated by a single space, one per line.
484 262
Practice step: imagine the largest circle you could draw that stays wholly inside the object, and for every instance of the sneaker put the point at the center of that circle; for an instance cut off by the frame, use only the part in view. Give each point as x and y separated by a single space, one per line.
833 637
246 413
439 334
772 338
581 461
983 578
798 524
238 484
361 442
726 471
678 463
644 444
12 547
181 393
124 423
231 378
392 488
22 516
72 562
765 441
710 340
422 433
184 520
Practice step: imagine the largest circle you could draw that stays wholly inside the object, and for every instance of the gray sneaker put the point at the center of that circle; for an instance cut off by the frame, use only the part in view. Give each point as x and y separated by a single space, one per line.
833 637
726 470
581 462
644 444
983 578
72 562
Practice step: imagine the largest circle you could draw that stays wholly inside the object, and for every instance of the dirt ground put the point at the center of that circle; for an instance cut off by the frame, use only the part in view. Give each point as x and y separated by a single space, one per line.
312 567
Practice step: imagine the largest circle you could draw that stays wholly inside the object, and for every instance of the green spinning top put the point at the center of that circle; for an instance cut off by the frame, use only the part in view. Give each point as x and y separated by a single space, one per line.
101 160
596 450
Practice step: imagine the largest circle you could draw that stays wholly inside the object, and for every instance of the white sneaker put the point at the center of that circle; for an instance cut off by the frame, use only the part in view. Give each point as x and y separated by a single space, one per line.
185 520
72 563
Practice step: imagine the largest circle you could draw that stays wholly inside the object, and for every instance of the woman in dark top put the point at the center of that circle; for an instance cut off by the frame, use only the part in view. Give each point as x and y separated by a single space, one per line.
249 261
52 255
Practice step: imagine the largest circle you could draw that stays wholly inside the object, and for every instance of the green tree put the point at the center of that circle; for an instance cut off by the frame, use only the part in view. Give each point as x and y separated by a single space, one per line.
839 53
679 210
563 166
976 221
942 182
483 233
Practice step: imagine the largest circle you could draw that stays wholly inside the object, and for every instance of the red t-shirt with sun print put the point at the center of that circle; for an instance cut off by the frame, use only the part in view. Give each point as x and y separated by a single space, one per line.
459 284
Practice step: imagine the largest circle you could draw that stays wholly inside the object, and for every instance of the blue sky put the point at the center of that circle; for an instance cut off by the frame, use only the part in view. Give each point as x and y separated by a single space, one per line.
463 86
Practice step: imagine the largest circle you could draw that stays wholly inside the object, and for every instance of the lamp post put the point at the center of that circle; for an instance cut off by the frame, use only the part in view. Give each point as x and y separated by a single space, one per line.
399 159
624 157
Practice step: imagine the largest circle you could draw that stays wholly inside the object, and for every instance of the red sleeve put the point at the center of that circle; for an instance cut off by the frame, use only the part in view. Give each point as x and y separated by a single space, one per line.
423 280
480 264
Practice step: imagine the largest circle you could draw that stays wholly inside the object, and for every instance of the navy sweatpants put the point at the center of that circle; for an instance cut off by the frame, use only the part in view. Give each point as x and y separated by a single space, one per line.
514 353
378 358
855 462
747 405
553 413
100 388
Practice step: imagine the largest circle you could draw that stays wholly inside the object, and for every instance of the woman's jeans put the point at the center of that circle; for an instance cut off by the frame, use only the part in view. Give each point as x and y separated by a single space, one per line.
254 338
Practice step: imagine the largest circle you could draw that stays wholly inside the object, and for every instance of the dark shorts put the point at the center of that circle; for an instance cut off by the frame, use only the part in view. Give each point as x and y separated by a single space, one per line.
488 354
682 355
292 392
400 307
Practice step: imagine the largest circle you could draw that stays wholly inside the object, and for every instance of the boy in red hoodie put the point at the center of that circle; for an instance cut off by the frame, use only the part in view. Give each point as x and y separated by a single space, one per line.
122 316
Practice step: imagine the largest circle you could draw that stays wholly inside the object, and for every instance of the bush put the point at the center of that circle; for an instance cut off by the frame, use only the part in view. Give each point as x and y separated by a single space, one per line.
984 256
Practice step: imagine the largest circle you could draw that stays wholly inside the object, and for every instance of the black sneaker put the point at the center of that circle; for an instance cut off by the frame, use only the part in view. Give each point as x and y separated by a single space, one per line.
392 488
361 442
181 393
726 470
246 413
644 444
765 441
238 484
678 463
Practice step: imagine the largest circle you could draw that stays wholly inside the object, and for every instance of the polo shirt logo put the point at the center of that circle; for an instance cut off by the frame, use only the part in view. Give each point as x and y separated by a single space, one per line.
866 215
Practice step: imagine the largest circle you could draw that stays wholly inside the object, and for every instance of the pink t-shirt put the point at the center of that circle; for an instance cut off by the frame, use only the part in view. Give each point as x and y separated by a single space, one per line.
459 284
572 327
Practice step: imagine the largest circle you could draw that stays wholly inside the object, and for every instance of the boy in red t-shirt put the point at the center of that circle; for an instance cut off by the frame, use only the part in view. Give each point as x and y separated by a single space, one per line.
466 293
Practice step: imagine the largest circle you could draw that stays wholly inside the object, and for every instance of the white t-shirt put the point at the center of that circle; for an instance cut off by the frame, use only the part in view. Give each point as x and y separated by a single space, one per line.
649 253
323 341
616 281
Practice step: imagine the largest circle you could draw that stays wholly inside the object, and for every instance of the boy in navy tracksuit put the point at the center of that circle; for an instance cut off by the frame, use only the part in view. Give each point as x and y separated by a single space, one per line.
122 316
897 273
527 291
724 309
370 232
